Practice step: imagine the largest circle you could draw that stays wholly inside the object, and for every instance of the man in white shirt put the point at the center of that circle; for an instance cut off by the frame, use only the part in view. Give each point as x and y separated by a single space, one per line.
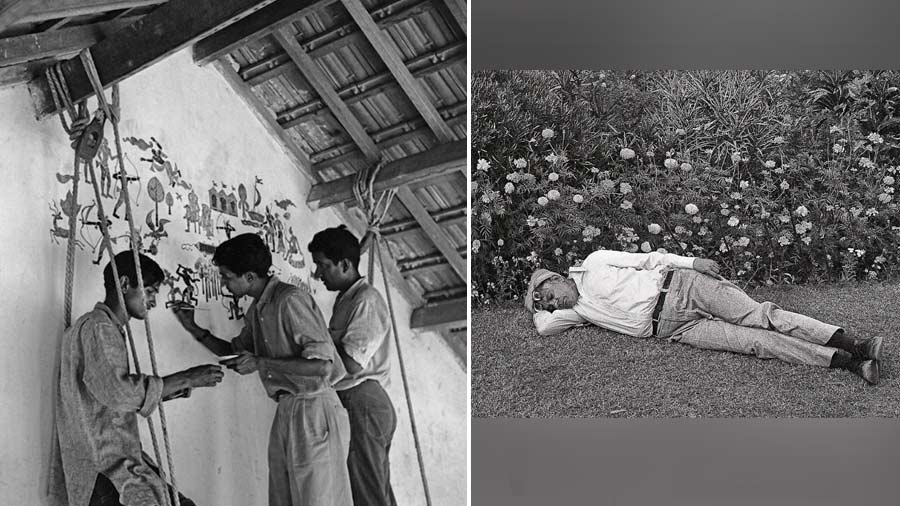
686 300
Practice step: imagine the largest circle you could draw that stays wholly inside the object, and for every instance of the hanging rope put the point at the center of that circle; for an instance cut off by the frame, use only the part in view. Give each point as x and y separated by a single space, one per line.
91 71
375 211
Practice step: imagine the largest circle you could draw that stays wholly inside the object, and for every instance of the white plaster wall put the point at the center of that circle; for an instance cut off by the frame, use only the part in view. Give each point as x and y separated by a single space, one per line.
218 435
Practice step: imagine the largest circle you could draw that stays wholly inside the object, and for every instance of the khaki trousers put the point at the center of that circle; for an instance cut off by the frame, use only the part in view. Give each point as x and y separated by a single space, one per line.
713 314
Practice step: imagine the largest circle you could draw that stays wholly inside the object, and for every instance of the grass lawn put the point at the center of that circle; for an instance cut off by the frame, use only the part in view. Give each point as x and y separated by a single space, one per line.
591 372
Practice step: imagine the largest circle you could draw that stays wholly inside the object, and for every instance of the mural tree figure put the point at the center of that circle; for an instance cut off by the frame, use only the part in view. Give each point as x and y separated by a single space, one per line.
157 194
170 201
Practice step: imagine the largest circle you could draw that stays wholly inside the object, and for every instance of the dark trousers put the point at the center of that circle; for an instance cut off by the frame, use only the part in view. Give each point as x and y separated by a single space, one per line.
105 493
372 425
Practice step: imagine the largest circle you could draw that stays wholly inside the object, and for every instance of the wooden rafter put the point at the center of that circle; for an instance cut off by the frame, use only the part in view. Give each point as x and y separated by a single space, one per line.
394 63
450 215
44 10
434 231
458 9
66 41
255 26
451 312
437 161
167 29
320 82
12 11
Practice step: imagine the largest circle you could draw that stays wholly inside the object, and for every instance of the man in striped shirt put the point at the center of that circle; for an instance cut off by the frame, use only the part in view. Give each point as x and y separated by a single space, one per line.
686 300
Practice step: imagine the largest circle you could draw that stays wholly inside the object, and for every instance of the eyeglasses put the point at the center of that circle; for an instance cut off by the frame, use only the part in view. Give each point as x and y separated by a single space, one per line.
537 300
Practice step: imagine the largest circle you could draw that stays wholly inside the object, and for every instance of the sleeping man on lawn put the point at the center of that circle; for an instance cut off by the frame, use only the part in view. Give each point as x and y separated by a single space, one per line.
687 301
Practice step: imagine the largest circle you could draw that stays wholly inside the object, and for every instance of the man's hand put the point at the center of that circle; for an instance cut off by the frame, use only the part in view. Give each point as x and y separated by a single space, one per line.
245 363
203 375
708 267
184 313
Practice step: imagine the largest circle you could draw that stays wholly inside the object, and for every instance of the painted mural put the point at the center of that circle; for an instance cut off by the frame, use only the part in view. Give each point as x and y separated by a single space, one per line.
179 219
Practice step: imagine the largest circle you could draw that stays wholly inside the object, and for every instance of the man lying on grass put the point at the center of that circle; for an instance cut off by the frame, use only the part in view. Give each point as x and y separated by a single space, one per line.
686 300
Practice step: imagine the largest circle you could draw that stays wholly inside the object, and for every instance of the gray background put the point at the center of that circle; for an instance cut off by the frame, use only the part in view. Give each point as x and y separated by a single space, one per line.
677 462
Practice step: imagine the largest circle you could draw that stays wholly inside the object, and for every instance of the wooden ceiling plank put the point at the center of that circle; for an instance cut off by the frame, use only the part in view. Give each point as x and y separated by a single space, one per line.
320 82
438 235
45 10
394 63
166 30
437 161
253 27
36 46
13 11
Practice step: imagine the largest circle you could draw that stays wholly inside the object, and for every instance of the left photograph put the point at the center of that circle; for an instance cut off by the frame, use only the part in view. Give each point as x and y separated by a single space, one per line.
234 239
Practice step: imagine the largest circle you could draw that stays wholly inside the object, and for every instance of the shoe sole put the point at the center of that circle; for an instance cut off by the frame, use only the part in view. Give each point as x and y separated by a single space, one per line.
876 348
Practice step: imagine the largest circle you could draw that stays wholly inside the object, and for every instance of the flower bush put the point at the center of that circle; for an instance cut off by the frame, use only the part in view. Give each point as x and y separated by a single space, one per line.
782 177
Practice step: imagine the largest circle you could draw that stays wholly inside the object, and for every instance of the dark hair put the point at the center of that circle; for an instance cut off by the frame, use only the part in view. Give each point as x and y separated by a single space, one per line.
150 271
336 244
244 253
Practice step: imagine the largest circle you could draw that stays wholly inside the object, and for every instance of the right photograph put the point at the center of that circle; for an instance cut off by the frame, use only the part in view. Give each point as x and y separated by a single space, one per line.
685 244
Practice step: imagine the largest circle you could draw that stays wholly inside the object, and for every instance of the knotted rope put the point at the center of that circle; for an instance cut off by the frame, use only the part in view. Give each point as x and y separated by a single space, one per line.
375 211
91 71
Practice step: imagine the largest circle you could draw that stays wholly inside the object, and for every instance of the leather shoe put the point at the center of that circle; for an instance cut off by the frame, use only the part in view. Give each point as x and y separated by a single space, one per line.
869 370
868 348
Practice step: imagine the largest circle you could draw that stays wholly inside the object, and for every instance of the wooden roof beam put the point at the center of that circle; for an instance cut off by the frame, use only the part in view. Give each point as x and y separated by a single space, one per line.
443 159
169 28
448 313
12 11
438 235
253 27
448 215
320 82
48 44
391 56
458 9
45 10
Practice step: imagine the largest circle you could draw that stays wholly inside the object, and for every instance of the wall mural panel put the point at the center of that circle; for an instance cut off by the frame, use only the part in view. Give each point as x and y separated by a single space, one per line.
177 226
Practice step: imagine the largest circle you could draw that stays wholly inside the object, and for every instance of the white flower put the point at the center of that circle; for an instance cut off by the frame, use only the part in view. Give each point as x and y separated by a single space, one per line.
670 163
834 129
487 197
743 242
553 176
662 251
542 201
696 219
784 185
551 158
880 259
785 239
784 218
542 223
626 204
736 195
736 157
801 211
871 212
577 198
654 228
474 185
520 163
558 252
874 138
645 247
514 177
806 239
625 188
607 184
888 180
733 221
548 133
531 220
884 198
500 242
744 184
803 227
770 164
483 165
866 163
724 212
553 195
509 188
649 154
532 257
691 209
476 245
703 231
778 139
723 248
594 170
686 167
626 153
837 149
679 229
680 131
779 170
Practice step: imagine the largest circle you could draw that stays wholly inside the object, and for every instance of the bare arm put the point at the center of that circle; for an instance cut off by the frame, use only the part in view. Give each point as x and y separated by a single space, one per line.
185 316
247 363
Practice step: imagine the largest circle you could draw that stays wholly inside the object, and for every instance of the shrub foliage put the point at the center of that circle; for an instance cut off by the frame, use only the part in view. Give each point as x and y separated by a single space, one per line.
782 177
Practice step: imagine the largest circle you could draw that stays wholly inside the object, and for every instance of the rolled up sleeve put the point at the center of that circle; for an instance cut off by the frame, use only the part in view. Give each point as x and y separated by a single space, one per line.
107 377
366 329
306 326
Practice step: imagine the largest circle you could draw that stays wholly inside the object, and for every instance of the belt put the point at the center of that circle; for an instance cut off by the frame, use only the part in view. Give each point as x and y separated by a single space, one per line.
661 300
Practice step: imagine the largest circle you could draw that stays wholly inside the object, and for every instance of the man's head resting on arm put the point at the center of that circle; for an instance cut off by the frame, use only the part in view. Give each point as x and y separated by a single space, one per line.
548 291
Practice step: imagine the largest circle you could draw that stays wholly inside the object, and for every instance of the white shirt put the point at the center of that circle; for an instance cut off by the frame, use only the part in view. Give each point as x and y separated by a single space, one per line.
616 291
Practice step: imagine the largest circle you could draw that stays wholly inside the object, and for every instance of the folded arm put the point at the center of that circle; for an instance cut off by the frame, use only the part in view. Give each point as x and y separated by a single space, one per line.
548 323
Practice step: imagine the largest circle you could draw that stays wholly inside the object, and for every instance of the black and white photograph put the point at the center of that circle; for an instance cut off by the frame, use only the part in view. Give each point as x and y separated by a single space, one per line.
233 247
685 244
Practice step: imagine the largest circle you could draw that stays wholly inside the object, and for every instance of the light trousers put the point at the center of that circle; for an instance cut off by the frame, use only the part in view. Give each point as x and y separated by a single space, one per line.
714 314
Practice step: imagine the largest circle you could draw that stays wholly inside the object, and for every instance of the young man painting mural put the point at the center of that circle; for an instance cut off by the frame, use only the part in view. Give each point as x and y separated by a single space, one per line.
286 342
360 327
101 460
